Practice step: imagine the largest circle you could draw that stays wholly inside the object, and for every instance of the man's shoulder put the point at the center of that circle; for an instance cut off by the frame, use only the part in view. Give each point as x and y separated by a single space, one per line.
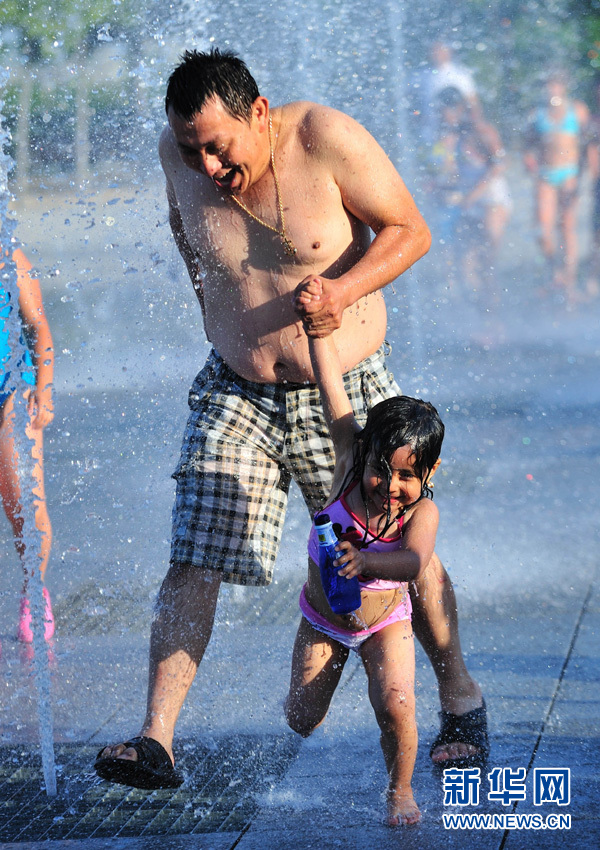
305 116
315 126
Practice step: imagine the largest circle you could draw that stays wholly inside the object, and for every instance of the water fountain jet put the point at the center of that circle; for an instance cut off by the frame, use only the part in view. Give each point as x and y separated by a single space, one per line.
31 535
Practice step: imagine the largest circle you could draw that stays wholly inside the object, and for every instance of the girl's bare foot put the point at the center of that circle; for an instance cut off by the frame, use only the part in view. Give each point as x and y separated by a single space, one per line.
402 809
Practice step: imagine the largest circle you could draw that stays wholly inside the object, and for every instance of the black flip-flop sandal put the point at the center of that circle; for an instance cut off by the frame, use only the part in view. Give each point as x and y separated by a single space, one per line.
153 768
469 728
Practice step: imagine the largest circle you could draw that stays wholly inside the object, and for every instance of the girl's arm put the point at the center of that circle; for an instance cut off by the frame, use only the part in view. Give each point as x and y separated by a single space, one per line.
330 380
406 564
34 318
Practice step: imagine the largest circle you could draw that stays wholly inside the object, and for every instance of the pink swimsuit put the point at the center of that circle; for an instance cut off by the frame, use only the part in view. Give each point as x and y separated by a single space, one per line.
349 527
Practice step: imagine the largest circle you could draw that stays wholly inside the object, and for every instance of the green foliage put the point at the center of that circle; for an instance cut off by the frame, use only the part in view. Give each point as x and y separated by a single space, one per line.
62 25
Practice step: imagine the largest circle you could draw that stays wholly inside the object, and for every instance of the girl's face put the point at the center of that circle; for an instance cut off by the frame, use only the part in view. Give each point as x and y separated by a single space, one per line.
405 486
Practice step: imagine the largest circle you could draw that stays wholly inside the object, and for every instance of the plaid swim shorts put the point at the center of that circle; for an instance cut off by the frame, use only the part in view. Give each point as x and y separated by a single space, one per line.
243 444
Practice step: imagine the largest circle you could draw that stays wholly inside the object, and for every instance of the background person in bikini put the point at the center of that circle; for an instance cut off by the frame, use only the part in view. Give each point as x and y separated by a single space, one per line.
555 141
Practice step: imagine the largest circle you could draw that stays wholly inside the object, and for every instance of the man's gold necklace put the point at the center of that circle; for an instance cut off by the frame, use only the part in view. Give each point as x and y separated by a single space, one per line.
288 246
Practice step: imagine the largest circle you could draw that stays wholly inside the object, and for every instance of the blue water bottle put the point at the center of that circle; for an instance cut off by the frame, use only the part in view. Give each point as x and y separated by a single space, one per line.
343 594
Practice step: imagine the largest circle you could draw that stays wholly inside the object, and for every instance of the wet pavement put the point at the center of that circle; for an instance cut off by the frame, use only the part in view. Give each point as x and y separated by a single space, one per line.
249 783
518 488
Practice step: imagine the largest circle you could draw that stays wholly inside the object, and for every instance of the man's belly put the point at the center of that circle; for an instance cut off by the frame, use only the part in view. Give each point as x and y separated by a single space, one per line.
281 355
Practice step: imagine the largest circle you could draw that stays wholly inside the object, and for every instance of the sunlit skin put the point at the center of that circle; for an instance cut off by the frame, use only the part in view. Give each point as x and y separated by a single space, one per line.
325 164
428 574
404 487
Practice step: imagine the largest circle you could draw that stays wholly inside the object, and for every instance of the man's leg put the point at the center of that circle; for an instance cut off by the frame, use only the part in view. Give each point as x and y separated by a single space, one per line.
180 633
435 623
227 480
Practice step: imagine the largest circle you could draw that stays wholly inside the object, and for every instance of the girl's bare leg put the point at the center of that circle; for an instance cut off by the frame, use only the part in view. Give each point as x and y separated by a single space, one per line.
389 659
317 664
10 491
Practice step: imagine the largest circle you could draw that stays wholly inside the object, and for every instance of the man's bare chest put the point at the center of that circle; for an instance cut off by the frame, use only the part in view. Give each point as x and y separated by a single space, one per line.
308 213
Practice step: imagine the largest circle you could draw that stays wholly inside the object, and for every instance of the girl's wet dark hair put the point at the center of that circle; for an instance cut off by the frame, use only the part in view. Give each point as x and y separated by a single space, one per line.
201 76
391 424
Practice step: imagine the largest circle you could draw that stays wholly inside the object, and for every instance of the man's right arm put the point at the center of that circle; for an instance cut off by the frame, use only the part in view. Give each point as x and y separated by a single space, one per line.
373 192
177 228
183 246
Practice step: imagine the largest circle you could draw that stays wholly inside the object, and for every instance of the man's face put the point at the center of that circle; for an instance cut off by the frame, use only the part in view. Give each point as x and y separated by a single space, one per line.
229 150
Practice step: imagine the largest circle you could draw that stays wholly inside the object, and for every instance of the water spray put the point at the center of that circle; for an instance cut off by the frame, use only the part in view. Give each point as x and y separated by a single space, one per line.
31 535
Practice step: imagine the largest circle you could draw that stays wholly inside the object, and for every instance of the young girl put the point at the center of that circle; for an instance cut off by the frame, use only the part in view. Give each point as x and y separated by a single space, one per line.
388 528
38 397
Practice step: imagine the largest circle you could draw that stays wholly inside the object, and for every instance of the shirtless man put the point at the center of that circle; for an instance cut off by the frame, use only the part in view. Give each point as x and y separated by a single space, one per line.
554 147
260 201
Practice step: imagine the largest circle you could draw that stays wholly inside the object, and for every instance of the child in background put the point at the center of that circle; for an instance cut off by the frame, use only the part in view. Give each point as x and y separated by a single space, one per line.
388 530
38 396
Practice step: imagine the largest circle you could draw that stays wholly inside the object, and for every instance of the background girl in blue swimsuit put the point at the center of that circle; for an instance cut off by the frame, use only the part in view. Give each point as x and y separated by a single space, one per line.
37 375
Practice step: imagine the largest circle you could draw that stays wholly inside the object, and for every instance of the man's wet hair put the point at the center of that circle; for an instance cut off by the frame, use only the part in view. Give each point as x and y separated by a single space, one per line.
199 77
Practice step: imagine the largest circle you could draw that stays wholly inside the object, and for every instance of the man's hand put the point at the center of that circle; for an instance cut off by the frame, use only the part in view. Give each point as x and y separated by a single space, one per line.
320 304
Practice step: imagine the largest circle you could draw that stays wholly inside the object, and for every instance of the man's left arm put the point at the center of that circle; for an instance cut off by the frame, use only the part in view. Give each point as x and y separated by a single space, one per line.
371 190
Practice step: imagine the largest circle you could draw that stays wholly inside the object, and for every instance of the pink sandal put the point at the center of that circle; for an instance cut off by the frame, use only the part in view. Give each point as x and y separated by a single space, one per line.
24 632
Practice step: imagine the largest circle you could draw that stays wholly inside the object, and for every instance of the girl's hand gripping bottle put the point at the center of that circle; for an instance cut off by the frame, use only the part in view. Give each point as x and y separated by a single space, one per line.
342 594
